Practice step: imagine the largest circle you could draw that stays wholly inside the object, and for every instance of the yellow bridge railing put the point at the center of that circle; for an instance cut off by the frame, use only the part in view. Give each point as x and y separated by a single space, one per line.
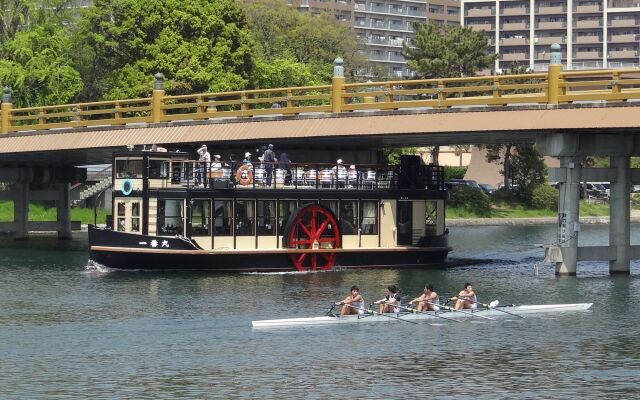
550 88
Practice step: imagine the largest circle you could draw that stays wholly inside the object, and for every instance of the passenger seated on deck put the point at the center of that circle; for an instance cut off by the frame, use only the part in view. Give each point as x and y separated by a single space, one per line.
428 300
352 304
390 303
466 298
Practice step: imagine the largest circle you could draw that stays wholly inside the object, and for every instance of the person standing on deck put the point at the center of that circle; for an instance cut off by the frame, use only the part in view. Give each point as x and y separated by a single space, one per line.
205 160
466 298
352 304
285 165
428 300
389 303
269 159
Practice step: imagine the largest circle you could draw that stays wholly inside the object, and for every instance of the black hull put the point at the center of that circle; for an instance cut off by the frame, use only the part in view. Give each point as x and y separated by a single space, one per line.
125 251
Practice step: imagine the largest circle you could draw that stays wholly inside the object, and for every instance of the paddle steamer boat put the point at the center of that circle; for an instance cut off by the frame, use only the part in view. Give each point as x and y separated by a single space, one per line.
309 217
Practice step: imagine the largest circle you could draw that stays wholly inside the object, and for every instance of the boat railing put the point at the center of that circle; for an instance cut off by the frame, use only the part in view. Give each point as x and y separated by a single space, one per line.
319 176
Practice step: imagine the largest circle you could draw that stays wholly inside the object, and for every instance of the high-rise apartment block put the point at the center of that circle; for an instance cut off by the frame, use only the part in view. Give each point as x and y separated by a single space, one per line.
592 33
385 25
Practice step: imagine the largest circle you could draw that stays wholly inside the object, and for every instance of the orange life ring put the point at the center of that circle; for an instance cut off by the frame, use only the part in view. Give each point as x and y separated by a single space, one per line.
244 175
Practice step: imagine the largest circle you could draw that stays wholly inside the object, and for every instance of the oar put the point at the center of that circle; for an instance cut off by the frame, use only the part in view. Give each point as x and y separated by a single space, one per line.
371 312
413 310
464 312
330 310
488 307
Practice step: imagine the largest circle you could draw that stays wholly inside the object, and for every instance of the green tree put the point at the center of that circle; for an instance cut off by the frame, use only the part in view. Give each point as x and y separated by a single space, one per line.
444 51
522 165
199 46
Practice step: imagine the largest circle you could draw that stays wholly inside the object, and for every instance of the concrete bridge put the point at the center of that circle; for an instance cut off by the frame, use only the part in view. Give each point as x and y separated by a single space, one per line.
569 114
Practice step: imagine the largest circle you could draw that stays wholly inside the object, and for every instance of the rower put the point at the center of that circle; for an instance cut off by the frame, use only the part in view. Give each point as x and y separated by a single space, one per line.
428 300
390 301
352 304
466 298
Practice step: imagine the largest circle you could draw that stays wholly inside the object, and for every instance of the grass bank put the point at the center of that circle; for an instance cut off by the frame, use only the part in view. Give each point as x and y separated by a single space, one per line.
41 212
518 210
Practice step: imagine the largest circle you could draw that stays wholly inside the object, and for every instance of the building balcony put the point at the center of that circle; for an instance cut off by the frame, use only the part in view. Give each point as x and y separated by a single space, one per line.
480 12
589 9
552 25
514 57
623 23
514 41
588 24
549 40
482 27
515 11
623 54
587 39
514 26
544 56
551 10
582 55
623 38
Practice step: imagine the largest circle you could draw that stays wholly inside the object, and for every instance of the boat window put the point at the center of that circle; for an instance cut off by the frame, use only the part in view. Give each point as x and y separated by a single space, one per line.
158 169
170 217
348 215
266 222
245 214
222 218
331 205
128 168
285 209
201 217
135 217
369 217
121 219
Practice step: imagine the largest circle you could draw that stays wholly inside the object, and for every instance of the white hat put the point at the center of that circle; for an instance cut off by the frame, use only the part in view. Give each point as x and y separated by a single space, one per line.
216 156
339 161
352 166
204 146
247 155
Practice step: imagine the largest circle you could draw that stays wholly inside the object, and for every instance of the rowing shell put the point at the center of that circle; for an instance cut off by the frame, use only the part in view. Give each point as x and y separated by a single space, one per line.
529 309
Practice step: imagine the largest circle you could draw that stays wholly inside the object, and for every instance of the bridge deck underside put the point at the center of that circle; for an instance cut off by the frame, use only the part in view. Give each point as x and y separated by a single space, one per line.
353 130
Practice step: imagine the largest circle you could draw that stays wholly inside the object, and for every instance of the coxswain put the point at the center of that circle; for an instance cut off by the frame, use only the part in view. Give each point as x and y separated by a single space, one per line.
390 303
466 298
428 300
352 304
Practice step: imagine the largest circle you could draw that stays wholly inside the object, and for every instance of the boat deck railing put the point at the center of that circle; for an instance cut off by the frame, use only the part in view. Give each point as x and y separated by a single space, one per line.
199 175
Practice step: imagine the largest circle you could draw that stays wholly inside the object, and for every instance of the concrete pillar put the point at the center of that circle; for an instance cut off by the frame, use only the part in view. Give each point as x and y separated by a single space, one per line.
64 210
21 210
568 216
619 211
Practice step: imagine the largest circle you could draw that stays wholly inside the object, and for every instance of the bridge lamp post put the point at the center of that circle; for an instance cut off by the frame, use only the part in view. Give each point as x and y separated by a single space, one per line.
5 110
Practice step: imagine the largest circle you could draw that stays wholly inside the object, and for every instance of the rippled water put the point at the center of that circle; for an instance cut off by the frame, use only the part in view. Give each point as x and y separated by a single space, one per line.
68 333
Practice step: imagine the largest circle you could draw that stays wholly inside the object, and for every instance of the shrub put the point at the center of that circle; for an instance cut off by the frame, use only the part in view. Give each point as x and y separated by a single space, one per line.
544 196
454 172
471 199
503 194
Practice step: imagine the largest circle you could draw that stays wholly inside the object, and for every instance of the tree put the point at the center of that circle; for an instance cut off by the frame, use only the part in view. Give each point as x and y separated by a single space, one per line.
443 51
306 44
522 165
199 46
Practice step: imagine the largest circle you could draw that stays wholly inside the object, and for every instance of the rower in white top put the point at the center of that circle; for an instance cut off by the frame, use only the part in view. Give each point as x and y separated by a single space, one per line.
428 300
466 298
352 304
389 303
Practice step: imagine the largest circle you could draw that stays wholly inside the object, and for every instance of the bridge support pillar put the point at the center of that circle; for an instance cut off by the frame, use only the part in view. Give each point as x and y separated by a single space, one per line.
568 216
619 211
21 210
64 210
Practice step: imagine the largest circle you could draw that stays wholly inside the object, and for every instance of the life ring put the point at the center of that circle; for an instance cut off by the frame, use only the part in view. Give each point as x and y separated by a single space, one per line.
127 187
244 175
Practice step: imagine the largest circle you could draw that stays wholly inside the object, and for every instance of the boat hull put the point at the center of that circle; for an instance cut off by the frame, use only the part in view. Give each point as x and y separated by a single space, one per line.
427 316
139 252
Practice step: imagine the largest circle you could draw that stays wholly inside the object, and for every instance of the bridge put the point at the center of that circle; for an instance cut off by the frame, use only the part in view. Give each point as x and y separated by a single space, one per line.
570 115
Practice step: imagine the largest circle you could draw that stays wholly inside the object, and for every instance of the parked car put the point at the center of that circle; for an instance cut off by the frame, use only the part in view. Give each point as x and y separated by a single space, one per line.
486 188
465 182
596 190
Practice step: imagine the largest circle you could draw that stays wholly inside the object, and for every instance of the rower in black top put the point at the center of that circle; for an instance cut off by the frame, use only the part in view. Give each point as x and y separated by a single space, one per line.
389 303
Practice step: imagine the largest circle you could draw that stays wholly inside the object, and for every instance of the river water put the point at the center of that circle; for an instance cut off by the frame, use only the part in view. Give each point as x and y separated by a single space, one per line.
69 333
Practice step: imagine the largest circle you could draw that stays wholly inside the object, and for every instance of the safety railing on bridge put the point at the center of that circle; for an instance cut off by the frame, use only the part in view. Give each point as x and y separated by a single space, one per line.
549 88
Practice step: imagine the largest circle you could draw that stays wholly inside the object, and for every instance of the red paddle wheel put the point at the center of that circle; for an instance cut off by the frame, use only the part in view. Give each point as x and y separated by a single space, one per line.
315 228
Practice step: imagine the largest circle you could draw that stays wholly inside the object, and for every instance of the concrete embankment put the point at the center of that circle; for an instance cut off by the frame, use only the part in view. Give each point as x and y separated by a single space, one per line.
525 221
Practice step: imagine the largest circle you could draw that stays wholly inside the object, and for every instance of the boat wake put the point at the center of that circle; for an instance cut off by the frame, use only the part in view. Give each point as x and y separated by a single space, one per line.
93 267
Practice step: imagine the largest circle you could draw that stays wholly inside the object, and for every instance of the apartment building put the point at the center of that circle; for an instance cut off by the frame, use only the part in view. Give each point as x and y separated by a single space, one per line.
385 25
592 33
